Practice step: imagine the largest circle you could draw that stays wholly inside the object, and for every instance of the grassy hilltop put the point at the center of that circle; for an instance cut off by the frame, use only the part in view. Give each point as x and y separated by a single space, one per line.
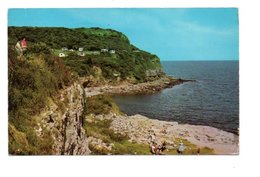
128 62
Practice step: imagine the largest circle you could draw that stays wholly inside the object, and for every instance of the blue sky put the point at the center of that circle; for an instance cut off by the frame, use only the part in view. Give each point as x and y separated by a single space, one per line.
170 33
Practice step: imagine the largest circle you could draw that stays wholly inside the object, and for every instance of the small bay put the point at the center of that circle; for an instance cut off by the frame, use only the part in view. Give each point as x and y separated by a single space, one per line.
212 100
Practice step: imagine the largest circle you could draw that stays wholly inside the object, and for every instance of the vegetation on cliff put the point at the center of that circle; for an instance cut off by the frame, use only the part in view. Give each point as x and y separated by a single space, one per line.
30 83
127 61
39 74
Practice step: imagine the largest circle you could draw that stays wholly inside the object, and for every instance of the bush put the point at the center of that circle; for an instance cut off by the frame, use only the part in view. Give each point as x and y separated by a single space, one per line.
100 104
38 48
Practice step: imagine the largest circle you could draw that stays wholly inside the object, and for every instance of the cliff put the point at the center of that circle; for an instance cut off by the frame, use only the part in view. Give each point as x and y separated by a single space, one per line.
46 100
59 125
65 126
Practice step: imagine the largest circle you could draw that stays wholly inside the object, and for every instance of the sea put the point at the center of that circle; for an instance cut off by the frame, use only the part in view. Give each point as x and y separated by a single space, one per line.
212 100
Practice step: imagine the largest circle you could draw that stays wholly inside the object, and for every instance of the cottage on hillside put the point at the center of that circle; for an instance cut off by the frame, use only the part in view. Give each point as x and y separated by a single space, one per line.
64 48
62 55
81 49
104 50
82 54
112 51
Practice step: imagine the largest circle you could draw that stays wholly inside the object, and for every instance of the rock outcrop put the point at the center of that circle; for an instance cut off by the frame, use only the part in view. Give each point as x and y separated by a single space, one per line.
126 88
63 119
153 72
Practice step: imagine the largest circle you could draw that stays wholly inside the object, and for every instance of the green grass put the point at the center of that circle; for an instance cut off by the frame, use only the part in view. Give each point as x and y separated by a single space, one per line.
18 143
27 143
101 104
126 147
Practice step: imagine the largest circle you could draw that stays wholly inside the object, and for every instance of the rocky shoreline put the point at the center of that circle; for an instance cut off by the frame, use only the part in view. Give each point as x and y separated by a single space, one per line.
126 88
141 129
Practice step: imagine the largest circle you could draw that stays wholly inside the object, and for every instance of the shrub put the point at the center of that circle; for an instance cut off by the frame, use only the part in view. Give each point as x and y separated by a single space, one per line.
101 104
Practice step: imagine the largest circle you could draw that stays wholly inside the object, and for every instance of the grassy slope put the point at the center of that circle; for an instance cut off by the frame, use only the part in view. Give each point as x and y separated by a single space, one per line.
126 62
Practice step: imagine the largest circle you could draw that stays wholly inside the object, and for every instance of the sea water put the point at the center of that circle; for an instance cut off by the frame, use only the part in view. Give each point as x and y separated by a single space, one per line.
212 100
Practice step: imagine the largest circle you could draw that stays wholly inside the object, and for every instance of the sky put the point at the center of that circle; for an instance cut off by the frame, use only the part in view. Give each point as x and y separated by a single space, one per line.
170 33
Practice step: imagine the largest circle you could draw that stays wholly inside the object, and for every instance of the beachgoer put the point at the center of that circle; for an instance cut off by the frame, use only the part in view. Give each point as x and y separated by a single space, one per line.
159 149
153 148
24 44
18 49
163 146
198 151
181 148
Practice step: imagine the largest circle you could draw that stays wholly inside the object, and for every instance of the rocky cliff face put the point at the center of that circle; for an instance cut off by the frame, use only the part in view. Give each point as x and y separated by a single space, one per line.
63 119
153 72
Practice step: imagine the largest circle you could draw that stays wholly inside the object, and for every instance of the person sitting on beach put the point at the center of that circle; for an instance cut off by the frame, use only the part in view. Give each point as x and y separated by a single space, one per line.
198 151
153 148
161 148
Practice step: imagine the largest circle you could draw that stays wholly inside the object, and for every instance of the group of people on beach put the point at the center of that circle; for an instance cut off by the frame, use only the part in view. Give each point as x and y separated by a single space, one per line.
157 148
21 47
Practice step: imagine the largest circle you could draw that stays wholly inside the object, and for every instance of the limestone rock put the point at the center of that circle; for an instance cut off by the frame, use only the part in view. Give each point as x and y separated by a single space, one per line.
66 128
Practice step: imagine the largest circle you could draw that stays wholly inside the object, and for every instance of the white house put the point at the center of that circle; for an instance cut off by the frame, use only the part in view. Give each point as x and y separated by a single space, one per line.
80 49
62 55
64 48
71 50
82 54
104 50
112 51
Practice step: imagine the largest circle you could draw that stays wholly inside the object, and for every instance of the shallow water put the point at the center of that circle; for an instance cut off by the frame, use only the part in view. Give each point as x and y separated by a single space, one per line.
212 100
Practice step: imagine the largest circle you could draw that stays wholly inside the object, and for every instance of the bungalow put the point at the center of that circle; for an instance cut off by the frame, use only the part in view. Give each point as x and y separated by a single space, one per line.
112 51
80 49
71 50
104 50
64 48
82 54
62 55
